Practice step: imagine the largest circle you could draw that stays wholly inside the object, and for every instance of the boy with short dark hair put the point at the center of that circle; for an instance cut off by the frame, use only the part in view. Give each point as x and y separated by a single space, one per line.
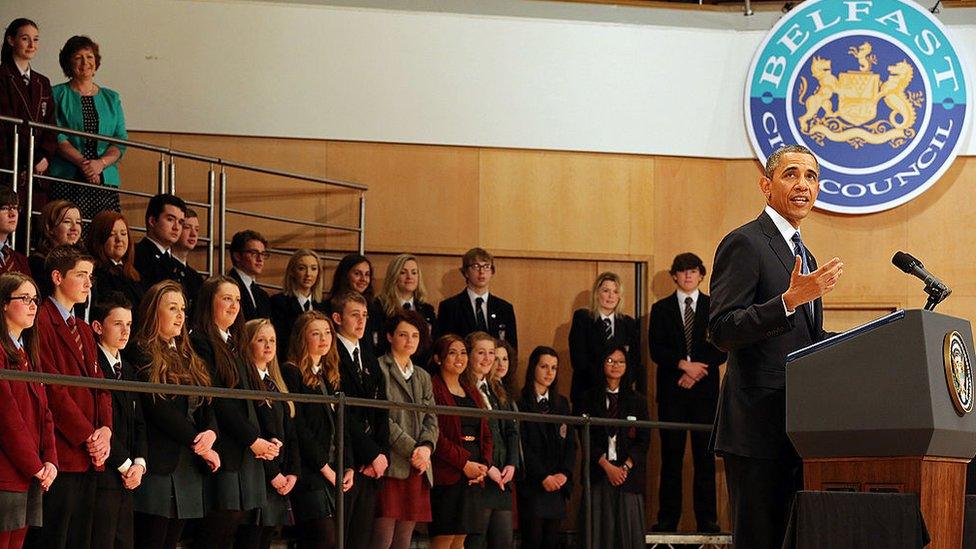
475 309
82 416
248 252
113 523
165 214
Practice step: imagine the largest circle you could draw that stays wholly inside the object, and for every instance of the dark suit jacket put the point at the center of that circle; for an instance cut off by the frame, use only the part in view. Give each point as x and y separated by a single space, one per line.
455 315
285 310
26 429
34 103
276 423
666 337
128 424
369 427
236 418
588 345
315 427
77 411
170 429
154 267
549 448
260 306
631 442
450 455
747 318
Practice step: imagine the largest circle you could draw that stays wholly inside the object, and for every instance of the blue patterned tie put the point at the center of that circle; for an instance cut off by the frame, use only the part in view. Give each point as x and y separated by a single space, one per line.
800 250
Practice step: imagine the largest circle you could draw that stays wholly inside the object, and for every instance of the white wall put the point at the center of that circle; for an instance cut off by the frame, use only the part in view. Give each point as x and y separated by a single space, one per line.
274 69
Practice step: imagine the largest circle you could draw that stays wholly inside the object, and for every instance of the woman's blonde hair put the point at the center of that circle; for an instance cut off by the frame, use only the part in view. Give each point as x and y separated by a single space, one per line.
595 292
389 298
290 288
251 329
299 356
176 366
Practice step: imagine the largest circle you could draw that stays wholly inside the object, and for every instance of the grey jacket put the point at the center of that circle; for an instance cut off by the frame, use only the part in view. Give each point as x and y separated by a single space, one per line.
408 428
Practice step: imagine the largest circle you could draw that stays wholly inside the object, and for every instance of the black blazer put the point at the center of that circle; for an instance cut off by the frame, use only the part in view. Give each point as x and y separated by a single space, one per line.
260 307
33 102
276 422
315 427
377 325
128 424
631 442
236 418
155 267
588 345
170 430
548 448
666 339
747 318
369 427
285 310
455 315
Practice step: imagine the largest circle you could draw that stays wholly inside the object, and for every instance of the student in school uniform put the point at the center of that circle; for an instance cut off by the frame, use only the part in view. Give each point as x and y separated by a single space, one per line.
463 453
277 419
180 429
109 243
550 454
599 327
11 261
313 368
59 224
82 416
165 215
192 279
113 522
302 292
238 489
403 289
28 457
497 495
369 427
618 456
475 308
404 497
248 252
354 273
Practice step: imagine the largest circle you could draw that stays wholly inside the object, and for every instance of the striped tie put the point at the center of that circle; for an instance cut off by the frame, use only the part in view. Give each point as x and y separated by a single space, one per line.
689 323
607 329
73 327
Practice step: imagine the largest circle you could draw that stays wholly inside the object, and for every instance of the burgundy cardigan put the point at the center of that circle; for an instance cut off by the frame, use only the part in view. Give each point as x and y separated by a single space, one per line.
449 455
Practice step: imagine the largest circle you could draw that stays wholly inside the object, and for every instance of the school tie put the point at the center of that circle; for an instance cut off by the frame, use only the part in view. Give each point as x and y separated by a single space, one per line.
117 370
483 388
607 329
269 385
308 305
689 323
544 405
359 365
3 257
73 328
613 410
407 306
26 77
479 314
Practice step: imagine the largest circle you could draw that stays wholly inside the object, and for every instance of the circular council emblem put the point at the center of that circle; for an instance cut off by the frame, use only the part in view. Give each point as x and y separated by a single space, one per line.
959 372
875 89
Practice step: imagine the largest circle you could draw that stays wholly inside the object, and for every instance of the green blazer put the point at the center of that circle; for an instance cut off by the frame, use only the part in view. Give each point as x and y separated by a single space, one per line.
111 123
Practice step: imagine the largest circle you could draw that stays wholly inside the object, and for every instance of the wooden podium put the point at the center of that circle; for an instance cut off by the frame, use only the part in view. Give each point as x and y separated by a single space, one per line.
877 409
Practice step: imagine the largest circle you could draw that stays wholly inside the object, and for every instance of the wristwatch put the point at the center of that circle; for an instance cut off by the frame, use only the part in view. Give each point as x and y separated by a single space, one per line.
625 467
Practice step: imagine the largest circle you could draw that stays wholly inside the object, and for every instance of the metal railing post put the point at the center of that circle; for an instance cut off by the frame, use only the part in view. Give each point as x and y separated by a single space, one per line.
29 214
362 223
172 175
13 176
340 471
587 493
161 174
222 220
211 218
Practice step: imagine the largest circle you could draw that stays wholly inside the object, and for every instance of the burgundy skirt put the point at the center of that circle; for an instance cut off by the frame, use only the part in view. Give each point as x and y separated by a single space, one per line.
405 499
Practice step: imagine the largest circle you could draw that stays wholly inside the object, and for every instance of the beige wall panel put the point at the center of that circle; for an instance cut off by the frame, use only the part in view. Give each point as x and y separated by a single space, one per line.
420 198
566 202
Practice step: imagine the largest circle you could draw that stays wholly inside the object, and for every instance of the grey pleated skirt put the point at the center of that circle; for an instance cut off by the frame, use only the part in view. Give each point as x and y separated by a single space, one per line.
21 509
618 517
176 495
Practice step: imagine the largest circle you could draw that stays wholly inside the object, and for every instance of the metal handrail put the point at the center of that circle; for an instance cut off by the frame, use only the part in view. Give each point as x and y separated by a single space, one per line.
341 402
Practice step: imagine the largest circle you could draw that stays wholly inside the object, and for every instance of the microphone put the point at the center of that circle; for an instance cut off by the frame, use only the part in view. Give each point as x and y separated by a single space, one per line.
934 287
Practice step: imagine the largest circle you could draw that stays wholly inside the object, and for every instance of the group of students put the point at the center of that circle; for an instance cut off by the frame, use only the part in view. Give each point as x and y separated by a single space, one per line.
86 467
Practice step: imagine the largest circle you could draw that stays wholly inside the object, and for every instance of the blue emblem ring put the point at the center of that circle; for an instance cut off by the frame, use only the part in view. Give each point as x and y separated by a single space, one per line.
875 89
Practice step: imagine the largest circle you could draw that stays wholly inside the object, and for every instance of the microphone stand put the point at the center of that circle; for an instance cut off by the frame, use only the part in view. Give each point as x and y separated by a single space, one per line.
937 294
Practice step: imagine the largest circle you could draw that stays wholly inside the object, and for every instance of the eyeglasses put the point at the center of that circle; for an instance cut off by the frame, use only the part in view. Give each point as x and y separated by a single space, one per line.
256 253
27 299
480 267
612 362
9 208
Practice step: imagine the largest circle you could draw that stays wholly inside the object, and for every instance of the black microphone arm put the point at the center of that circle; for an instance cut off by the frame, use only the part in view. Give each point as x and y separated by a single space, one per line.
935 288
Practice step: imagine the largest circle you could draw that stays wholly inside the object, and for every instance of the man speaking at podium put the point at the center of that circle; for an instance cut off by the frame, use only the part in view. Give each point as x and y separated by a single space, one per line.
766 291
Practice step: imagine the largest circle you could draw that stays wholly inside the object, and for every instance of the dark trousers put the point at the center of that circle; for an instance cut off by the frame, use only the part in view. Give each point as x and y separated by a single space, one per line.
761 494
218 528
686 410
68 510
360 511
112 526
539 533
156 532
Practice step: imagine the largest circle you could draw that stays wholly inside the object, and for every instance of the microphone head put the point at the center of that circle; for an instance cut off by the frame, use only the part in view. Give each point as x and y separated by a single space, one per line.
905 261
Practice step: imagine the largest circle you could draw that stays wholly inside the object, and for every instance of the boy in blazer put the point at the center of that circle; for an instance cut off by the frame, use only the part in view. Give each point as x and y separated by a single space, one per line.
154 259
687 391
248 253
10 260
475 309
82 416
369 427
113 523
